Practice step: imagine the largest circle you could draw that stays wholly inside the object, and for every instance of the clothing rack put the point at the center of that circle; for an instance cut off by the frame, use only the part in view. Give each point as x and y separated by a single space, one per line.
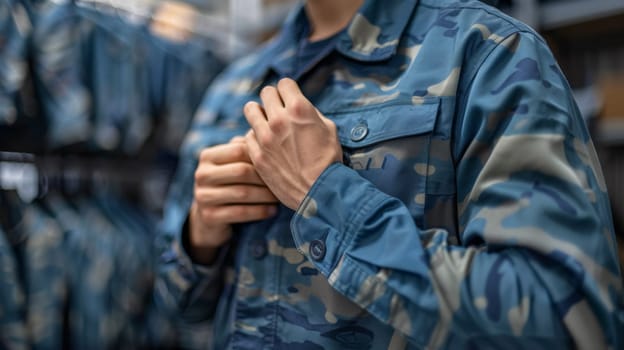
211 26
227 29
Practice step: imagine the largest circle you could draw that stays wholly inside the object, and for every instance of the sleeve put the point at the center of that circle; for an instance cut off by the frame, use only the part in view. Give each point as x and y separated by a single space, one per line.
185 289
536 266
57 71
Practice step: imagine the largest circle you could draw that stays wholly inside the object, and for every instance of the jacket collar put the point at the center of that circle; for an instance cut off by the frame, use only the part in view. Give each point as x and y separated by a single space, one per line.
372 36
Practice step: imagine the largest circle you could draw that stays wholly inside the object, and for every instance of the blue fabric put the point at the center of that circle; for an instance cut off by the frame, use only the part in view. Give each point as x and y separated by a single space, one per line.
77 274
12 302
114 60
470 211
16 28
179 74
107 85
63 97
309 53
77 269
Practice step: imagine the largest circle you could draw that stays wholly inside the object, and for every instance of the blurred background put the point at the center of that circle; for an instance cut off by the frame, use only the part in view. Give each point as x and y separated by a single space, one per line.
95 99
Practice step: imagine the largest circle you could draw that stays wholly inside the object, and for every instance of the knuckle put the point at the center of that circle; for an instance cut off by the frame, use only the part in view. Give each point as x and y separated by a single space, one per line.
203 175
205 155
201 196
207 214
198 176
250 137
238 151
259 160
277 124
248 172
265 140
299 107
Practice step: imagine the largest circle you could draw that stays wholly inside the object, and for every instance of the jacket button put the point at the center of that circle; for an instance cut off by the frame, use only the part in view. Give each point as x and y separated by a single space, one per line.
258 249
317 250
359 132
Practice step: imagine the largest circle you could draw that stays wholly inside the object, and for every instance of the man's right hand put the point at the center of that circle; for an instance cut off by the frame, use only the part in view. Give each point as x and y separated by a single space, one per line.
227 191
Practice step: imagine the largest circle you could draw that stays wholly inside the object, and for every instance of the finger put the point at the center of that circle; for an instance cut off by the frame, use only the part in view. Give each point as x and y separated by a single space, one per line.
256 117
289 91
234 194
235 214
255 151
227 174
226 153
271 100
237 139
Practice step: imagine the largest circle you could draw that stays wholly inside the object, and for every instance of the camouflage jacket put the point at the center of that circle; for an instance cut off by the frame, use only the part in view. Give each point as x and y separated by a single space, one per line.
470 211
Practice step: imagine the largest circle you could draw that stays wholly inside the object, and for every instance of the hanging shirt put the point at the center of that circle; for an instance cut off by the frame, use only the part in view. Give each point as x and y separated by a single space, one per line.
470 211
15 27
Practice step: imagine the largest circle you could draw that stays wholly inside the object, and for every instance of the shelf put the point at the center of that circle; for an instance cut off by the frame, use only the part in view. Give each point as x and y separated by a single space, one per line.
566 13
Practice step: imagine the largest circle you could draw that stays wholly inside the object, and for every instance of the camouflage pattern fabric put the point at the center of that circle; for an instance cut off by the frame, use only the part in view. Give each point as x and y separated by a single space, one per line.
471 211
15 27
12 308
70 278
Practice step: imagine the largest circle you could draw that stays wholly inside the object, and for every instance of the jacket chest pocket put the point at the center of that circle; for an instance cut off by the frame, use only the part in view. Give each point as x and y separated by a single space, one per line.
390 146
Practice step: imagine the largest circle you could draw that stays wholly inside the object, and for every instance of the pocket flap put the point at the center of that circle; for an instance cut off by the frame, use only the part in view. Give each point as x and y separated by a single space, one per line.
372 124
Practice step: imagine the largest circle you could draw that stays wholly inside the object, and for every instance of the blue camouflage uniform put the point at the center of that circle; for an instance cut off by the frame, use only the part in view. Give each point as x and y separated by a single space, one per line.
470 211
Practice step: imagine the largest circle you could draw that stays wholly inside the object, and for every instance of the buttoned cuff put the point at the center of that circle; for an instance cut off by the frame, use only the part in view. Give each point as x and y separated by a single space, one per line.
331 215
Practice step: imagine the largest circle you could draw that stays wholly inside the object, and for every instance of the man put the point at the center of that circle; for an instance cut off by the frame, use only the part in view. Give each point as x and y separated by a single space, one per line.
412 174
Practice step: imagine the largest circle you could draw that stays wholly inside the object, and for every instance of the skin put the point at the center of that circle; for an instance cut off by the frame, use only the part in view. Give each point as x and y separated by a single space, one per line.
227 190
328 17
288 147
290 143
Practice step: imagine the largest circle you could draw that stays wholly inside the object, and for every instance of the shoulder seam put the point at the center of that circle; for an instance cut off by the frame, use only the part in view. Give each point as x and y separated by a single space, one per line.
498 45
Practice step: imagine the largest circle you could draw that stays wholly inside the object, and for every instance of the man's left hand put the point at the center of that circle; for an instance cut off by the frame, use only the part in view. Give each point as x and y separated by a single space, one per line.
290 143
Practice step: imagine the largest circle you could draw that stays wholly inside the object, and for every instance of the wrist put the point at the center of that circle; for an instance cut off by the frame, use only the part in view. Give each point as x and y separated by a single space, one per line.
201 242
